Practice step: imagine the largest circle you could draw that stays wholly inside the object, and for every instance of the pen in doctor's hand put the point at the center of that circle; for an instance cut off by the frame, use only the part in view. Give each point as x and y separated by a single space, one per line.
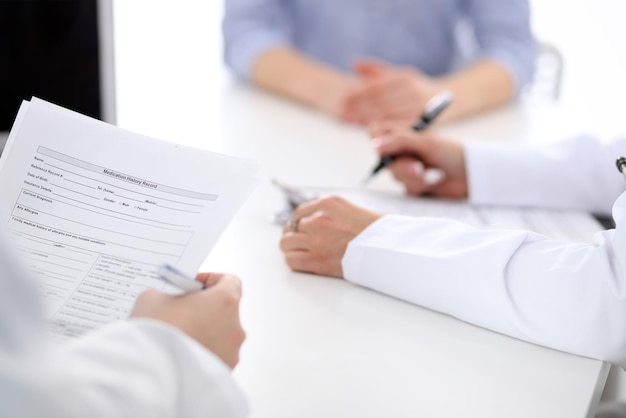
177 278
434 107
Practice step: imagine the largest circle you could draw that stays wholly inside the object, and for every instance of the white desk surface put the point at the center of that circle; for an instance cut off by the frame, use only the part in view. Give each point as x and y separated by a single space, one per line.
320 347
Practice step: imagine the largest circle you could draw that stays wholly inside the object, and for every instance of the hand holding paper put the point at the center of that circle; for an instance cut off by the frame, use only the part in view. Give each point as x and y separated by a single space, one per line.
96 209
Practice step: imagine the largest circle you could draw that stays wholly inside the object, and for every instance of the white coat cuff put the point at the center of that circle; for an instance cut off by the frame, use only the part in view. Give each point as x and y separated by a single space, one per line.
481 162
376 235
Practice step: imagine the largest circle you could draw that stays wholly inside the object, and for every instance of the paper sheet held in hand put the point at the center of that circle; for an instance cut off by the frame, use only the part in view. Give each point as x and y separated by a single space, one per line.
96 209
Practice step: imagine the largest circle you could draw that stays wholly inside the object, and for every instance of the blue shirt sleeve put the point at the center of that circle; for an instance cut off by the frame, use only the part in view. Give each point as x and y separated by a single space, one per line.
251 27
502 29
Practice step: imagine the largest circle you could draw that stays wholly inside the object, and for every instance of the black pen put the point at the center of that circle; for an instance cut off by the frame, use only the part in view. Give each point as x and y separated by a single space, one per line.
434 107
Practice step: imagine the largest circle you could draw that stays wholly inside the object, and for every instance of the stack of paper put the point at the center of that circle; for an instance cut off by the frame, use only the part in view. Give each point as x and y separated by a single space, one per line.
96 209
567 225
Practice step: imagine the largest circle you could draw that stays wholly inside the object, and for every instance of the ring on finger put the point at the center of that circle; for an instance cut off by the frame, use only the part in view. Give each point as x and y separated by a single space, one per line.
293 223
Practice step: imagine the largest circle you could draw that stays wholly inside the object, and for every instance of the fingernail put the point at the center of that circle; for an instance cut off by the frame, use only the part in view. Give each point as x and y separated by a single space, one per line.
379 141
434 176
418 168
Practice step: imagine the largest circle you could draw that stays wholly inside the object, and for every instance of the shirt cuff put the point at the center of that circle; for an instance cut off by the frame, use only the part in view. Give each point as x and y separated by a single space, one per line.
242 55
377 235
520 65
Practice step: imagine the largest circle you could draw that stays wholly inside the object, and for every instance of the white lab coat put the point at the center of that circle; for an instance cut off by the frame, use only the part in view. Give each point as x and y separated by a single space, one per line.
137 368
569 296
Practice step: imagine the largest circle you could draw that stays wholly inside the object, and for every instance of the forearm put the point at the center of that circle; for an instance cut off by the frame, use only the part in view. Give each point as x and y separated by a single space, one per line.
286 71
482 86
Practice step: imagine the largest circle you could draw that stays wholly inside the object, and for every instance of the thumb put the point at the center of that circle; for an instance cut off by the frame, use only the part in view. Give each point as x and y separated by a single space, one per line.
368 68
226 282
209 279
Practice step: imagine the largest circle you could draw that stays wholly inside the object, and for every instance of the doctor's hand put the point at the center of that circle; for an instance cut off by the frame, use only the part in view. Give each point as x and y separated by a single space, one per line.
316 238
390 93
427 163
210 316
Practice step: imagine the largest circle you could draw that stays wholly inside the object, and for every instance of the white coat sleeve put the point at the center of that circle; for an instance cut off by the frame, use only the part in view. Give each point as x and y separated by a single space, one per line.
568 296
130 369
578 173
136 368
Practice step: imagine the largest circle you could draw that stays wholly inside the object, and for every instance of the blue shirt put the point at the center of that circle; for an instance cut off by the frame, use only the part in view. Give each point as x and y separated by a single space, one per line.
434 36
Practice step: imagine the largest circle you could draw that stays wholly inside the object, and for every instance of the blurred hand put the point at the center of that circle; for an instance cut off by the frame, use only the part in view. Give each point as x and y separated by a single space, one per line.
210 316
427 164
388 92
324 229
334 99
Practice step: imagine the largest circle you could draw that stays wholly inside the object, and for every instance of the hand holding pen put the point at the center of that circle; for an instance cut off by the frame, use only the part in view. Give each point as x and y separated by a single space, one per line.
434 107
174 277
418 153
211 316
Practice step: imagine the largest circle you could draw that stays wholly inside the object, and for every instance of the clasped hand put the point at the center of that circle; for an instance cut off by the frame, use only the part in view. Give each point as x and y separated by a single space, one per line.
383 92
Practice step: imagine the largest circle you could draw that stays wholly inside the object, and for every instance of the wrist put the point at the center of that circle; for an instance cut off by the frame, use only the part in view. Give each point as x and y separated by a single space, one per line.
331 93
286 71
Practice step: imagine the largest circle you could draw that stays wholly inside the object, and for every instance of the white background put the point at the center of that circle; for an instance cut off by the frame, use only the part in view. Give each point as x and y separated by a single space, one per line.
591 34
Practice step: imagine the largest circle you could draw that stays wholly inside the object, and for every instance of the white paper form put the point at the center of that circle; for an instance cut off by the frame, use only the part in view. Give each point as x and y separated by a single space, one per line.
96 209
557 224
